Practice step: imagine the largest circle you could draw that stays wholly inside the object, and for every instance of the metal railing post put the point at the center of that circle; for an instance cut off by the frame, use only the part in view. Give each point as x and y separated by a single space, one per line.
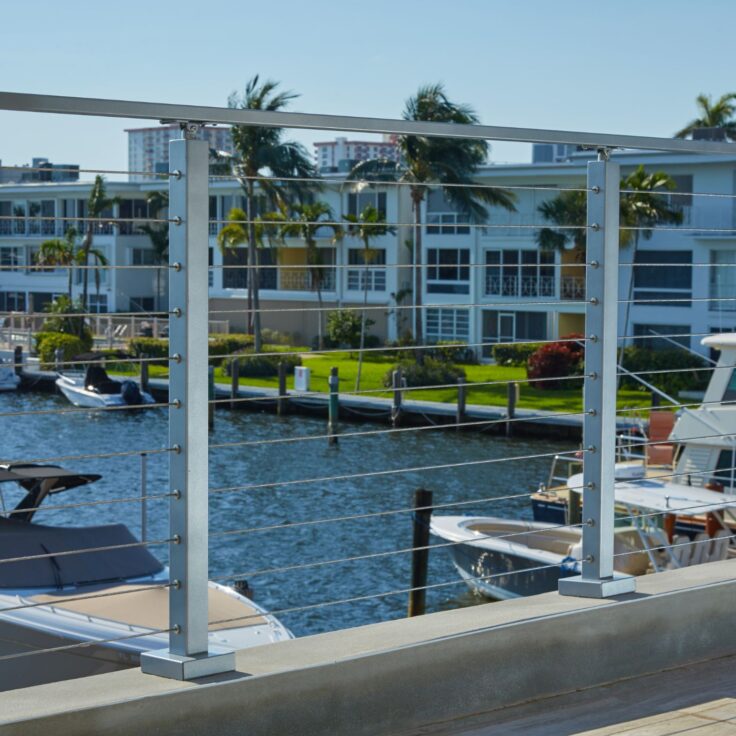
598 579
188 655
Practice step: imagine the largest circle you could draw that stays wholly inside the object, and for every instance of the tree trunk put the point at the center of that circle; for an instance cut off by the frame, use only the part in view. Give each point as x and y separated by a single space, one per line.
86 246
417 197
362 324
253 275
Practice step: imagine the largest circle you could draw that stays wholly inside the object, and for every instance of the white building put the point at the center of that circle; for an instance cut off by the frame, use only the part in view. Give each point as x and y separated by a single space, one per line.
148 148
341 154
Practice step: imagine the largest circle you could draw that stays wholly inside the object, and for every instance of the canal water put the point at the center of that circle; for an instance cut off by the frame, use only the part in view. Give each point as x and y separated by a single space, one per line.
248 555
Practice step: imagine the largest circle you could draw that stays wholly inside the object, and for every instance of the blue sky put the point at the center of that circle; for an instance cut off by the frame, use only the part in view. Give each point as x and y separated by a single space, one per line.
623 66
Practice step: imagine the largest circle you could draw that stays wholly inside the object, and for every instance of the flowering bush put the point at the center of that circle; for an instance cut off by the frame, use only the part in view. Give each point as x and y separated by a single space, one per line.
556 360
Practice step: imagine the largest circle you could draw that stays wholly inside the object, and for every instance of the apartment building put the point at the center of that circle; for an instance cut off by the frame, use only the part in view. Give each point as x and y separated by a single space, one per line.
341 154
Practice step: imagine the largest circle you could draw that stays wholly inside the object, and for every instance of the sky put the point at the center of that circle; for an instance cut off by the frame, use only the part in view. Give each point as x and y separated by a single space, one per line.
622 66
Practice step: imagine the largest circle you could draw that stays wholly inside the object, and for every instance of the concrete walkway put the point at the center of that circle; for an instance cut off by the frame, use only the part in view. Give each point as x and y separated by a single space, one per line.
698 700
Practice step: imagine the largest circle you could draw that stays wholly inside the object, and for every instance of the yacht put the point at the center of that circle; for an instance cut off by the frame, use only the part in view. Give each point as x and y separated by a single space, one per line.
675 504
94 389
52 596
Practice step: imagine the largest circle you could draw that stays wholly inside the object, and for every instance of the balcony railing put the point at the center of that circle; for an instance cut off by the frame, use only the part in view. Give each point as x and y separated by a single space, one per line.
304 281
520 286
572 288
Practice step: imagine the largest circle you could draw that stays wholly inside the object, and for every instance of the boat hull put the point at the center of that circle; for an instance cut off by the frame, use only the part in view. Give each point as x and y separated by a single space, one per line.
82 397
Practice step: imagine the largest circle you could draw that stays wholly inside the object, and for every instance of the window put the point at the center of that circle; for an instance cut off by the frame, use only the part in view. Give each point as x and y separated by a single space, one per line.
520 273
210 273
722 280
372 278
12 301
660 281
11 259
358 201
652 341
6 226
724 472
447 325
98 303
443 218
141 304
730 393
448 270
500 326
235 278
143 257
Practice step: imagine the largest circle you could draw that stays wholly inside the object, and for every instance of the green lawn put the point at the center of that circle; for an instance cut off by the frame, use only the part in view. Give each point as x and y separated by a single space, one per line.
375 367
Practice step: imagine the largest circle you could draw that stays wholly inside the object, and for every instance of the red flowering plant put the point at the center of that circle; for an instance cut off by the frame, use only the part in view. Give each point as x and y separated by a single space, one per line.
556 360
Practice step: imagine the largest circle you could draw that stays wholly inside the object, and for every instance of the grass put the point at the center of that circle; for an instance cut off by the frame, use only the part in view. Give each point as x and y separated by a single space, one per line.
375 366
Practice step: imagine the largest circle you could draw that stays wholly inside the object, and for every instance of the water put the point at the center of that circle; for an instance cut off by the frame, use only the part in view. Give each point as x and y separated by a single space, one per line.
37 437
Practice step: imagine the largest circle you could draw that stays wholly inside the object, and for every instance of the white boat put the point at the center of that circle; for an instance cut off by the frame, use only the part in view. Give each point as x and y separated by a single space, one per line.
95 389
9 380
677 513
62 598
502 558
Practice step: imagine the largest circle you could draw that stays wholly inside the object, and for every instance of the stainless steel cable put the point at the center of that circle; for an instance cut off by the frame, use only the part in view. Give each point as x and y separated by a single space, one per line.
81 645
85 597
83 409
674 546
97 455
374 432
89 550
101 315
66 363
89 267
75 170
111 220
99 502
375 473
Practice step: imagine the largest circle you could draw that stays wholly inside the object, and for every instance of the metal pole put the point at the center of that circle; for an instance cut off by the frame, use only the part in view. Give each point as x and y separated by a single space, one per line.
396 380
144 493
598 579
188 655
460 408
234 382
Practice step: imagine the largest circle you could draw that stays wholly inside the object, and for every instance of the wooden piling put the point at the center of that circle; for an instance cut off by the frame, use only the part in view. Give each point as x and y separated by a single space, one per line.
282 403
333 412
144 373
18 359
511 389
460 409
234 382
396 381
420 555
211 394
574 508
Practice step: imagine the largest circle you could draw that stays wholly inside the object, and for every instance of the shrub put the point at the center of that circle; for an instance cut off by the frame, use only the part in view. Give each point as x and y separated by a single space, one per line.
638 360
516 355
263 366
555 360
221 345
274 337
153 347
343 327
449 351
70 345
430 373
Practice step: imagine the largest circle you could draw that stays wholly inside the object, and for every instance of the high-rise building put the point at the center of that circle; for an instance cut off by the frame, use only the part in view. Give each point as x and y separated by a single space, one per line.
341 154
148 148
41 169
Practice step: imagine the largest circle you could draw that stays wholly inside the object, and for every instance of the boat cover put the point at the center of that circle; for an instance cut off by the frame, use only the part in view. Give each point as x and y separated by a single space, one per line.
21 539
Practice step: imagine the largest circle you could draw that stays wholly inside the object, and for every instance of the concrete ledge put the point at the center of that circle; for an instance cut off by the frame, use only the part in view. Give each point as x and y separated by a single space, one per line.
403 674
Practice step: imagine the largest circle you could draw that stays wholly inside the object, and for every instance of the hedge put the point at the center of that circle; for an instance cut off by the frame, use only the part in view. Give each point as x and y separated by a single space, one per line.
516 354
47 343
218 346
641 360
449 351
262 366
431 372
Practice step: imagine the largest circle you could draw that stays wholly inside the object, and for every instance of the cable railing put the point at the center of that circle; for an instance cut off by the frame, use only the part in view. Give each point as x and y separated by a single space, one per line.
340 499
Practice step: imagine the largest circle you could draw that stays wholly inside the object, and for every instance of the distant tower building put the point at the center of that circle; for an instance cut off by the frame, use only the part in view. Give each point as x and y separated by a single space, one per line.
341 154
41 169
552 153
148 148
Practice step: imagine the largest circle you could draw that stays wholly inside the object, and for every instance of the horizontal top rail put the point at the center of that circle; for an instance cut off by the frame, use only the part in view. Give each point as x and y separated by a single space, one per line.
23 102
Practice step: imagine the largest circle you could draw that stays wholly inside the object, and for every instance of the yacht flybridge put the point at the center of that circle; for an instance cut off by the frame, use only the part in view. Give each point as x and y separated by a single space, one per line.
53 593
675 505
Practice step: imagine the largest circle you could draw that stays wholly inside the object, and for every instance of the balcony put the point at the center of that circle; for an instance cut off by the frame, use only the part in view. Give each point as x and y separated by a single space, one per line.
303 281
520 286
572 288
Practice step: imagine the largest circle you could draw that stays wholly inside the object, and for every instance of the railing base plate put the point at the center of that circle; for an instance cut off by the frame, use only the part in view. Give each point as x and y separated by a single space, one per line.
164 663
605 588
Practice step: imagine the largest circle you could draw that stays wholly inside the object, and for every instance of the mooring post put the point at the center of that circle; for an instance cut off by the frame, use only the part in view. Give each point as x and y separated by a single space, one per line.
144 372
460 410
396 380
510 407
58 357
420 554
211 397
190 654
597 578
334 406
282 404
18 359
234 382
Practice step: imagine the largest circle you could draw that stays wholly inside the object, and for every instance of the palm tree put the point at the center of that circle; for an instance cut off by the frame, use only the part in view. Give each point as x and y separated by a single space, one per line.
263 154
369 224
58 252
100 261
449 162
97 204
718 114
304 221
158 234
